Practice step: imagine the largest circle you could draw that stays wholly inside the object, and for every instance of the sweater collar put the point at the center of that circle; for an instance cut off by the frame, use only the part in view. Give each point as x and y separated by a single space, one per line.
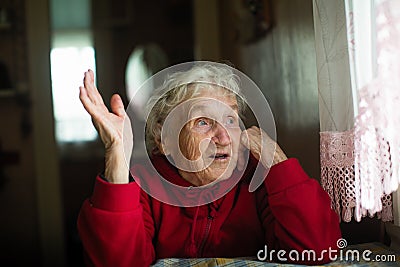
168 171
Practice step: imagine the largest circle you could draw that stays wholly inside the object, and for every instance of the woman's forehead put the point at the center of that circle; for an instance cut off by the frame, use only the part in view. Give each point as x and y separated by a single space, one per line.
218 93
205 101
213 101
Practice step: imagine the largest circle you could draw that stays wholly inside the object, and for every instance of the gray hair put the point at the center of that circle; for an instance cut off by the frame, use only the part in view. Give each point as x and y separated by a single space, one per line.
181 86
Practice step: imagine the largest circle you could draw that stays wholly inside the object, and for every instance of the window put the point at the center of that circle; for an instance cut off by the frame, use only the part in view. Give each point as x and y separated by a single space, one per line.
71 55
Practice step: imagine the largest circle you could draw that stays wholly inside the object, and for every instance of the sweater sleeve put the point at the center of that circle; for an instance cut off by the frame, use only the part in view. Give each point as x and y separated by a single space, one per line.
116 227
296 215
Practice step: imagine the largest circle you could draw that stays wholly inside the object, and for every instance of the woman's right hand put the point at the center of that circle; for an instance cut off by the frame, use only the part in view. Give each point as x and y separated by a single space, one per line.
111 128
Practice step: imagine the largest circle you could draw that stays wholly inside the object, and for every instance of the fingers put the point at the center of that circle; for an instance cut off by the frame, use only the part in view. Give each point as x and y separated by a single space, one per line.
241 158
110 124
242 149
251 137
86 102
264 148
117 106
253 140
254 131
92 92
244 139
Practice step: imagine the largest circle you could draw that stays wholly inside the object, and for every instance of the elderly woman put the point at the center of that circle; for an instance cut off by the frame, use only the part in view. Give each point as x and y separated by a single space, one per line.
194 135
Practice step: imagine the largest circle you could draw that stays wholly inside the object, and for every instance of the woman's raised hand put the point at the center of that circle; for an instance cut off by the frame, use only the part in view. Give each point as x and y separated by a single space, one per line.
110 126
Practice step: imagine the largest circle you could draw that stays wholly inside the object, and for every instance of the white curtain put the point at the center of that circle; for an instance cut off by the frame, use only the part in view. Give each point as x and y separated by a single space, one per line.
358 62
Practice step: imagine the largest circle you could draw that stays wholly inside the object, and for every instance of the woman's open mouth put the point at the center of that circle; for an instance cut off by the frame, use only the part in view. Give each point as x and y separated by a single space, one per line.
220 156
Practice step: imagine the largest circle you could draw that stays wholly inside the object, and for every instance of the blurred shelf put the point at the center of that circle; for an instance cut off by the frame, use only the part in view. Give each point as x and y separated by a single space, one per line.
7 92
5 26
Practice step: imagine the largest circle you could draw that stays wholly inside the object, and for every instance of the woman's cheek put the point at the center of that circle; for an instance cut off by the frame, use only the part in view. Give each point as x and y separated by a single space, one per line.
189 146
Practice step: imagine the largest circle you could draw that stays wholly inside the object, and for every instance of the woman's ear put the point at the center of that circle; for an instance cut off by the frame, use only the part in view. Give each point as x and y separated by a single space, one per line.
162 147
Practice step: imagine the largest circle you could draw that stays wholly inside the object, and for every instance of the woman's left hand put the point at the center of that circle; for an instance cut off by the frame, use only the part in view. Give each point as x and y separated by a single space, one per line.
261 146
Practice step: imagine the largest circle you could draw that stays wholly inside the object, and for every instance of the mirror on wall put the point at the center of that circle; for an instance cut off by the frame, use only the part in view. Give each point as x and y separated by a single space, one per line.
144 61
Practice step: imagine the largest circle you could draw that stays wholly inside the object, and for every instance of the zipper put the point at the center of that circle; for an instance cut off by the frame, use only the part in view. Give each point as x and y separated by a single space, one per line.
206 233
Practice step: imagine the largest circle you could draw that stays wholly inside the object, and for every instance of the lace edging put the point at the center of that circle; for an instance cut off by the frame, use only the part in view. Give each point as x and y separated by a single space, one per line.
339 180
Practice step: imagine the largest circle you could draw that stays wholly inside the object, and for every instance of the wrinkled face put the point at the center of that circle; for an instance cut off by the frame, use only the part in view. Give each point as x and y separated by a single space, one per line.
207 133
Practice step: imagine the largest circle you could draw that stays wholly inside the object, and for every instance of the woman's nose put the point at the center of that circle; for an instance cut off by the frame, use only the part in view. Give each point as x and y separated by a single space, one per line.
220 135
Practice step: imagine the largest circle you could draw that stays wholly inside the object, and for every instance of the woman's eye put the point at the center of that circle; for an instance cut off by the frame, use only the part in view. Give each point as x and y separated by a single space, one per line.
202 123
230 121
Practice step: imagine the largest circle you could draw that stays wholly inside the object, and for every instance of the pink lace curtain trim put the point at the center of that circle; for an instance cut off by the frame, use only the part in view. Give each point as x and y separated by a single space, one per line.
361 168
339 180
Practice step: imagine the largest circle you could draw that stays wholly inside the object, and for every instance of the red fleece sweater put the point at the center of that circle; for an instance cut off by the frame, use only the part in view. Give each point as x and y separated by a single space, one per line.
121 225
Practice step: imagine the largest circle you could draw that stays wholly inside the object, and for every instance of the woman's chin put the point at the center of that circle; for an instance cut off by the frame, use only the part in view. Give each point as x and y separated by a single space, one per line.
220 174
